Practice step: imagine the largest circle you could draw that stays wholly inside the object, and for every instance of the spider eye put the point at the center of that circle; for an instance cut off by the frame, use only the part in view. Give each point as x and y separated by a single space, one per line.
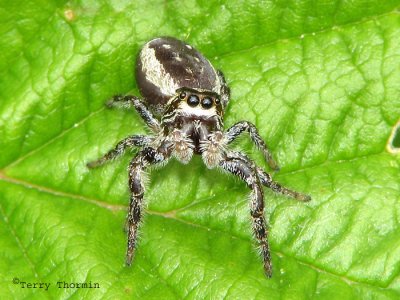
193 100
207 103
217 101
182 95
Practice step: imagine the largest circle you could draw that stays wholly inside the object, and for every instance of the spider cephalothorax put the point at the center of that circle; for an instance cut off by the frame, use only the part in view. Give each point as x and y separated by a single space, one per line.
184 101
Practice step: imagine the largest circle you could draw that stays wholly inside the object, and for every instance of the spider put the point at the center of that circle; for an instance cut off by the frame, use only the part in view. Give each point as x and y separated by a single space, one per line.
184 100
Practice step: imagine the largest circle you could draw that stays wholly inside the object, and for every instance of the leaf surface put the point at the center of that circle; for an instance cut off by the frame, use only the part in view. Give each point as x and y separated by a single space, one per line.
320 81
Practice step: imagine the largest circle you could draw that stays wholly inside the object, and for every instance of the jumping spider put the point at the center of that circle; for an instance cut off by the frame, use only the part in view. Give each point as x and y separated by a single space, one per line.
189 97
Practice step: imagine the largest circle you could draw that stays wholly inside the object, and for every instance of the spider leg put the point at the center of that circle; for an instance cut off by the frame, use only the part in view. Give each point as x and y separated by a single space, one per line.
148 156
128 101
129 142
225 91
267 181
233 132
246 171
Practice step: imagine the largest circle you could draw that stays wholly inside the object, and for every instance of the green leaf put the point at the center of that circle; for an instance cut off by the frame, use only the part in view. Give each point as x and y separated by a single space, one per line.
320 79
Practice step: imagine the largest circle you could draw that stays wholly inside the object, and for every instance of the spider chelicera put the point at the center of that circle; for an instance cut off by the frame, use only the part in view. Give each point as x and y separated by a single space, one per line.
184 99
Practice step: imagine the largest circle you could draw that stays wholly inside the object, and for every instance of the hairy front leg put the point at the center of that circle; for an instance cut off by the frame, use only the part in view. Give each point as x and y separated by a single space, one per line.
246 171
237 129
148 156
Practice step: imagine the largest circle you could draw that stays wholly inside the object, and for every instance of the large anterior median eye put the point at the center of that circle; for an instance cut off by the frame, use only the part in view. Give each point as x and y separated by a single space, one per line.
207 103
193 100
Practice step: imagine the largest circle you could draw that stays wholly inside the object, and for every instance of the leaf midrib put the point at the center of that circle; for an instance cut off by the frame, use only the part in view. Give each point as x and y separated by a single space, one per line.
172 215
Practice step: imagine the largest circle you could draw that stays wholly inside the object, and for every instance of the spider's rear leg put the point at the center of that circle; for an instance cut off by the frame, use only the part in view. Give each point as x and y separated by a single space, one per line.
225 91
129 101
246 171
148 156
129 142
238 128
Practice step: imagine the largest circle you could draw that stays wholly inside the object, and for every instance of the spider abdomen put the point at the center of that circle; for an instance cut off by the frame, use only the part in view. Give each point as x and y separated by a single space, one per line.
166 64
